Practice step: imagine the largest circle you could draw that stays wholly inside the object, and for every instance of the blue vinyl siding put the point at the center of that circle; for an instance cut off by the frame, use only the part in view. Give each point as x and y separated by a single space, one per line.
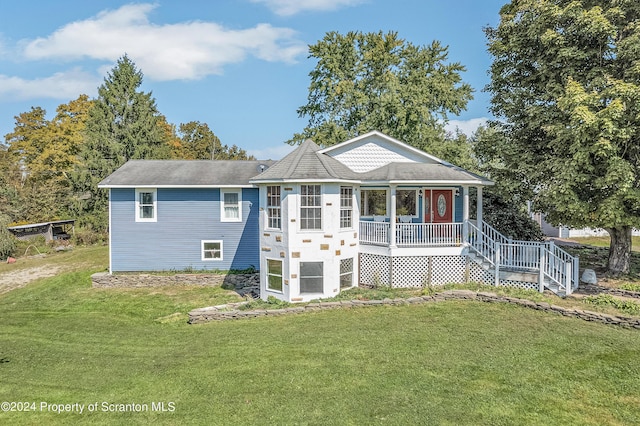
185 217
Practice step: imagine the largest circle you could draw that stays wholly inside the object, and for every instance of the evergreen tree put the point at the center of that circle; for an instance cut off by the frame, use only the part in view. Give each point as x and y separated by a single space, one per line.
123 124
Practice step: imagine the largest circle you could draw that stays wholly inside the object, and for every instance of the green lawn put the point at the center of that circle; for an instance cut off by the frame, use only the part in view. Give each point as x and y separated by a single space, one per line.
606 241
62 342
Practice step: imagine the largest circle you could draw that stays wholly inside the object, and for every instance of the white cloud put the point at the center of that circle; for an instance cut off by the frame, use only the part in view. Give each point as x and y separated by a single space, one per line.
61 85
293 7
187 50
468 127
272 152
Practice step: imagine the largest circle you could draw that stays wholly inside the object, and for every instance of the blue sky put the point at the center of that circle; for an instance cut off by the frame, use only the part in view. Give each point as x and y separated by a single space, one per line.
241 66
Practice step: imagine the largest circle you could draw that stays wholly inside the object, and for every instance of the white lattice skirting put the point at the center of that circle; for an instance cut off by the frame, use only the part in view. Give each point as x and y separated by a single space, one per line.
419 271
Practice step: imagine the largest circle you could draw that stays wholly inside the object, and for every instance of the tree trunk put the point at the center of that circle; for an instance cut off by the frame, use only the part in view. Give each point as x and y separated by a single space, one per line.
619 250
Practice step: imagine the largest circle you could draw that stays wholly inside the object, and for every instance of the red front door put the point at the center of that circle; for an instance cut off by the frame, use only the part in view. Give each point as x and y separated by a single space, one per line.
441 206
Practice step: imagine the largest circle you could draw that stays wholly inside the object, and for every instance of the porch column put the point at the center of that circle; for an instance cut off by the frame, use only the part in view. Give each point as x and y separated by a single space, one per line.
392 217
479 208
465 214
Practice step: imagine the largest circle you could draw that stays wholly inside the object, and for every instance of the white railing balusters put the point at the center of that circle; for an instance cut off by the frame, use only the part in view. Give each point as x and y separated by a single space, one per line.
548 259
551 262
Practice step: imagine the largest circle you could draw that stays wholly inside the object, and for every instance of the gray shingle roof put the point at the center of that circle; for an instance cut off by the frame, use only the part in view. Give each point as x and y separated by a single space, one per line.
158 173
305 162
422 172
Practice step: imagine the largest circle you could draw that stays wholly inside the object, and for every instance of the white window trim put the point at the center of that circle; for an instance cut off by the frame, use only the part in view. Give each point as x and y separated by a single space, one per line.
281 291
413 214
375 188
319 207
206 259
223 218
350 208
273 208
154 191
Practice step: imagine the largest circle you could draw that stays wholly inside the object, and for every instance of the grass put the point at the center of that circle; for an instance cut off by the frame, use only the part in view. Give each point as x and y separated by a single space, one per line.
451 363
605 241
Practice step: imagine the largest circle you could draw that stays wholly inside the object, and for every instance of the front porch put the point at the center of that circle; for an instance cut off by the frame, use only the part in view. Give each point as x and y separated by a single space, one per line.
392 234
424 254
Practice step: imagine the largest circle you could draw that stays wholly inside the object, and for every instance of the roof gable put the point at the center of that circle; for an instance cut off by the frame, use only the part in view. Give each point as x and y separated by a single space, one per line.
374 150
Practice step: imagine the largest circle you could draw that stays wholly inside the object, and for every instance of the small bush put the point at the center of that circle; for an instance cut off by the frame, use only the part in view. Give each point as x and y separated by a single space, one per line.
631 287
270 303
606 300
89 237
8 242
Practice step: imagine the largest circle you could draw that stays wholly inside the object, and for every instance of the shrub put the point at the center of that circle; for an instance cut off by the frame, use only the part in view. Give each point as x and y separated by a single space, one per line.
87 236
631 287
625 306
8 241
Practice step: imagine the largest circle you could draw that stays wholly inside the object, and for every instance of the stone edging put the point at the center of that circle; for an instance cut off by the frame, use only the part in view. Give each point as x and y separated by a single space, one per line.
220 313
594 289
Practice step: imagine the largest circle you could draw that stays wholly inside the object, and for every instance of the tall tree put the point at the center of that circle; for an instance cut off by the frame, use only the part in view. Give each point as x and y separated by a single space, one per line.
565 85
123 124
376 81
45 153
197 142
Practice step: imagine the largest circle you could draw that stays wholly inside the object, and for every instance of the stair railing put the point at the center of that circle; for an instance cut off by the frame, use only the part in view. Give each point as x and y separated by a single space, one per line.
549 260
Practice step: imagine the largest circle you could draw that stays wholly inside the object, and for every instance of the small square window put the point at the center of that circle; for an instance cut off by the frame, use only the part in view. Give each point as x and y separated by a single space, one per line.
211 250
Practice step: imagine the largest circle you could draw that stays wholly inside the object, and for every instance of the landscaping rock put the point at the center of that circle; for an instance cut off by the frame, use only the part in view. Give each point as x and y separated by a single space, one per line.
589 277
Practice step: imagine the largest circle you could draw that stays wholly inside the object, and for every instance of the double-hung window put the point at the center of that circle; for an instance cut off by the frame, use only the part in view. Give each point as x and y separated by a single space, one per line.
273 207
310 207
346 206
231 205
146 205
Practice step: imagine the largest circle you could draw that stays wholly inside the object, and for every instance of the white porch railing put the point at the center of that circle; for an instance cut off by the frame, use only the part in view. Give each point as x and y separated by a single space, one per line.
412 234
557 269
429 234
555 266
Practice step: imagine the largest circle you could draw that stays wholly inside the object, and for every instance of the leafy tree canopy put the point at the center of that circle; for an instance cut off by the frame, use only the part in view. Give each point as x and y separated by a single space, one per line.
565 85
197 142
376 81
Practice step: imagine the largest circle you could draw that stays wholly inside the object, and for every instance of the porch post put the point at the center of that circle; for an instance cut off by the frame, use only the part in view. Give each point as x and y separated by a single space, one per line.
479 218
392 217
465 214
479 208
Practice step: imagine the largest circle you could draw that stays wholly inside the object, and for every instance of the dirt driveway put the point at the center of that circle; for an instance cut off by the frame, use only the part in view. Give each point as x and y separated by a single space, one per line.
21 277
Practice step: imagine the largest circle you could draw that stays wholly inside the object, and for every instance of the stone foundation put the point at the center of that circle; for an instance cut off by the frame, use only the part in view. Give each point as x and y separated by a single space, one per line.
242 282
